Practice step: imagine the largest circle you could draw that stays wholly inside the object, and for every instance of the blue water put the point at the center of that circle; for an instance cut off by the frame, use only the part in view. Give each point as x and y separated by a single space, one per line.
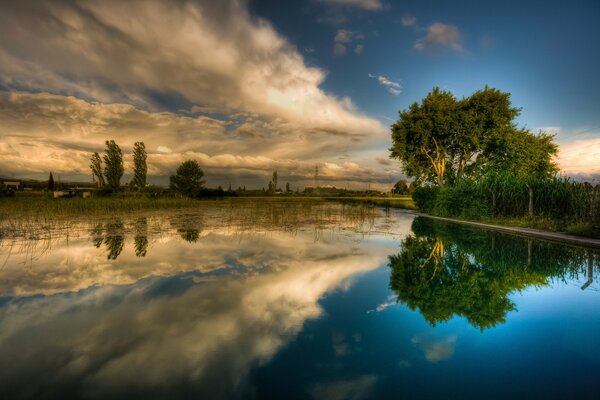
269 313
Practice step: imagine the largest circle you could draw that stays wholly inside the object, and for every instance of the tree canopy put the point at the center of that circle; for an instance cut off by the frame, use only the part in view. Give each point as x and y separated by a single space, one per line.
443 139
140 168
188 179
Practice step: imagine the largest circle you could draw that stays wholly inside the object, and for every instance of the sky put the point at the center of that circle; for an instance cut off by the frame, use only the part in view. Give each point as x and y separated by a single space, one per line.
248 87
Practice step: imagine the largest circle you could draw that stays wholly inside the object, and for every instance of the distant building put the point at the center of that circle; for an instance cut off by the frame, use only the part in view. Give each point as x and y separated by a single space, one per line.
12 184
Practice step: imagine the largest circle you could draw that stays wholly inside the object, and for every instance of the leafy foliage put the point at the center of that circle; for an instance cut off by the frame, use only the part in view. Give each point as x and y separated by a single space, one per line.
140 168
96 167
443 140
188 179
113 164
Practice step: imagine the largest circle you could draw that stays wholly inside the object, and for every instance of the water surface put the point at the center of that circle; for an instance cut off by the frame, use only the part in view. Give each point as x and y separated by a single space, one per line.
291 301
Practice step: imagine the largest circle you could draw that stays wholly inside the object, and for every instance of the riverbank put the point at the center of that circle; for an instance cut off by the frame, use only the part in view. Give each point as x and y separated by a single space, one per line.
560 237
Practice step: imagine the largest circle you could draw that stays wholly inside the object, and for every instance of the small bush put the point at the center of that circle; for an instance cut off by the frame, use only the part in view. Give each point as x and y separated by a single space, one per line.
425 198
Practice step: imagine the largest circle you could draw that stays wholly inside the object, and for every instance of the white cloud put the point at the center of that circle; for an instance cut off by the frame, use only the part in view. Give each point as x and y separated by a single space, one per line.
408 20
359 48
393 87
370 5
440 36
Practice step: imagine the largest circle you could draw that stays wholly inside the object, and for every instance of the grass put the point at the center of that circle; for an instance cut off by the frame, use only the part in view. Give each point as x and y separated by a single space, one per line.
44 207
405 202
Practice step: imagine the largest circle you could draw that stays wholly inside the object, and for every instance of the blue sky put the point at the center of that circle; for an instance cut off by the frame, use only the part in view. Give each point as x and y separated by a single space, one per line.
545 53
247 87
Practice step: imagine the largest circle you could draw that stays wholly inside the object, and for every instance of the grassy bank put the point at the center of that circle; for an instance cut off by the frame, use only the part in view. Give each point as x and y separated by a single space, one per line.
40 206
45 207
558 205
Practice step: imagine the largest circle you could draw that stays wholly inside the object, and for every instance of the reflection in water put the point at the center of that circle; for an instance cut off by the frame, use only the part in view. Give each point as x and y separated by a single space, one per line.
183 320
114 238
447 269
141 237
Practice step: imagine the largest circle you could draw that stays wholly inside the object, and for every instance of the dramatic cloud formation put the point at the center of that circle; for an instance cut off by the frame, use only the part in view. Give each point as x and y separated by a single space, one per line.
363 4
252 102
393 87
440 36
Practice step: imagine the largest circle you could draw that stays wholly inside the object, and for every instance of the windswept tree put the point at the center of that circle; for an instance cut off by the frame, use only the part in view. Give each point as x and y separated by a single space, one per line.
96 167
50 182
188 179
113 164
140 168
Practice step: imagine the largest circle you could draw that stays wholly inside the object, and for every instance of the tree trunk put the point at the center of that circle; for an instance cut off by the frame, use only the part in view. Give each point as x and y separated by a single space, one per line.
530 202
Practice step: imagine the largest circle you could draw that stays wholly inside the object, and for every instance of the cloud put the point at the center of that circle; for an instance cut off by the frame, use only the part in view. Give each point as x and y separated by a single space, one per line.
369 5
339 49
344 38
436 350
440 36
391 300
408 20
45 132
580 158
206 54
393 87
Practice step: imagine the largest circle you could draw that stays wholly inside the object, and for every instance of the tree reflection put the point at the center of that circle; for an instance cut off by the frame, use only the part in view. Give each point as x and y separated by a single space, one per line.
188 227
141 237
446 269
114 239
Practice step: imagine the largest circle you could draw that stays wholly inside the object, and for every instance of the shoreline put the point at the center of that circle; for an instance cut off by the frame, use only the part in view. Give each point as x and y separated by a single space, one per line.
559 237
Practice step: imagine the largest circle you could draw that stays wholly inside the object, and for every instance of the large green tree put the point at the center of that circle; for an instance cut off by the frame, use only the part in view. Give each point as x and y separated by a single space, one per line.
140 168
188 179
113 164
443 139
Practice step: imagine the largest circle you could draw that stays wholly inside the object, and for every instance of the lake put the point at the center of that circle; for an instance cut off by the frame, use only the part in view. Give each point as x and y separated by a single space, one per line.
293 300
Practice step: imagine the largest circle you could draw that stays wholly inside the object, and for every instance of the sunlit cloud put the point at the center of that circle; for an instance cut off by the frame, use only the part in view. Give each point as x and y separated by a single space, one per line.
440 36
581 158
46 132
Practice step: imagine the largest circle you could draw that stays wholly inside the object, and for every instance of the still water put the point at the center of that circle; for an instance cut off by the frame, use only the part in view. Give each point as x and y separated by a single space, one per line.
293 301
